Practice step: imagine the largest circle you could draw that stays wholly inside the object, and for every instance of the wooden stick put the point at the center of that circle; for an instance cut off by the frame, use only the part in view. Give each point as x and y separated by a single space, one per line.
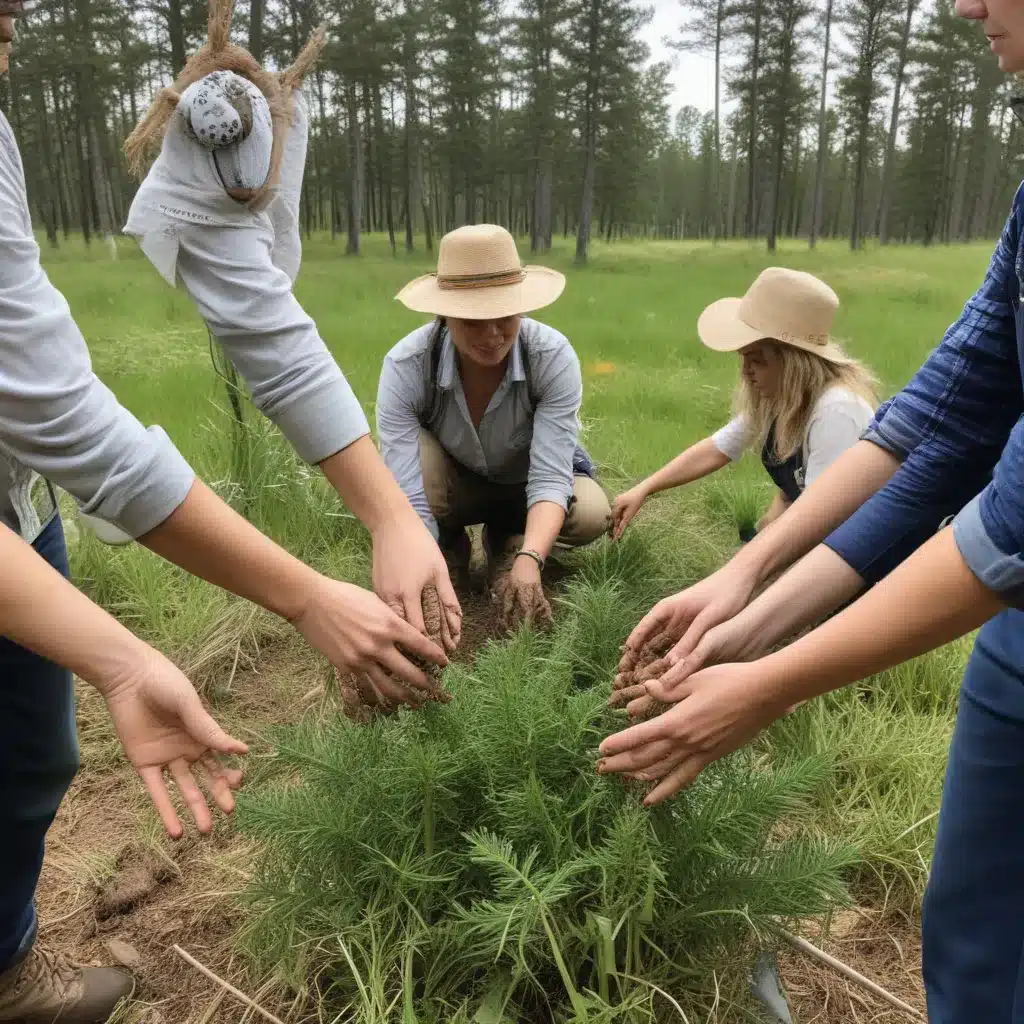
241 996
848 972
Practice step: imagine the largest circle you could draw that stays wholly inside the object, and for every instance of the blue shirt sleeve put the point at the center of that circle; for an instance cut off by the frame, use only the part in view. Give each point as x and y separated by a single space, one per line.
948 426
990 530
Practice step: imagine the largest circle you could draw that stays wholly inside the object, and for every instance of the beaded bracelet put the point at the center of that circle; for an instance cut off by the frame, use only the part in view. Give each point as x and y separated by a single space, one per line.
531 554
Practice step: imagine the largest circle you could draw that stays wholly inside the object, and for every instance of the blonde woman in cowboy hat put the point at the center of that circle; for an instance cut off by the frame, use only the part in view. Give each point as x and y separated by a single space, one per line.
801 400
478 416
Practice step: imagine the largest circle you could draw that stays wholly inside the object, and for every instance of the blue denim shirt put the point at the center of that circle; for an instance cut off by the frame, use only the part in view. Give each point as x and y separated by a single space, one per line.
957 428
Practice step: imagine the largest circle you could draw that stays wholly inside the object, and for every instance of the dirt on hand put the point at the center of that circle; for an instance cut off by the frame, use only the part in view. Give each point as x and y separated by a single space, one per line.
520 602
361 700
639 667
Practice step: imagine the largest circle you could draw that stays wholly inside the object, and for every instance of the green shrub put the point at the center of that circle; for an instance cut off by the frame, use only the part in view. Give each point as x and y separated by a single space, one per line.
468 859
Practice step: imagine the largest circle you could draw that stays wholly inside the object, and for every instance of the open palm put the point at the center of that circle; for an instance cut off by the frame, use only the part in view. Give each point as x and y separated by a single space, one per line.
163 727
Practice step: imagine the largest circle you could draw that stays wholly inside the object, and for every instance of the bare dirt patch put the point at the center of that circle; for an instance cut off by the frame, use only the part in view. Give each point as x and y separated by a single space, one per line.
886 948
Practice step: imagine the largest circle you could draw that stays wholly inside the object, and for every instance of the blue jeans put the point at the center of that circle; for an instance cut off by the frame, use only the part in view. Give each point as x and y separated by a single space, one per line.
973 919
38 760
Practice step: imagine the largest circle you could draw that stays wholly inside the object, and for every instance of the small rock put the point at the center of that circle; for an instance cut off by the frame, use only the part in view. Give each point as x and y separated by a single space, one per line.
124 953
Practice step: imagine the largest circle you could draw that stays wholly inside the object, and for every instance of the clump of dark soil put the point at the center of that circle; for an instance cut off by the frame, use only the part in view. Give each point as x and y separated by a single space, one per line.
136 878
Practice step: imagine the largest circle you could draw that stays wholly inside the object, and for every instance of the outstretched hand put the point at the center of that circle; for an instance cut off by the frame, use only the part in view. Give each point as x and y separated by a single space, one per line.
165 729
407 560
717 711
688 615
361 635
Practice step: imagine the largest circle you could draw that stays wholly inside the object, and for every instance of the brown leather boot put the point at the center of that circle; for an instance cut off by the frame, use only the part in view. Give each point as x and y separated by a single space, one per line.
47 988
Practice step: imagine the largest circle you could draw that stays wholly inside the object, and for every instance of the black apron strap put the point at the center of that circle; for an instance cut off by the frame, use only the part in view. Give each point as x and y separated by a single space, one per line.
787 474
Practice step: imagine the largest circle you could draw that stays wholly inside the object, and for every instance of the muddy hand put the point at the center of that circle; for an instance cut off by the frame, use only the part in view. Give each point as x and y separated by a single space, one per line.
520 597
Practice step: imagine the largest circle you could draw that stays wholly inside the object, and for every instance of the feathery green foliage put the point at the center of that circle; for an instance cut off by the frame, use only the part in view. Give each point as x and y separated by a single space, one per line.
470 855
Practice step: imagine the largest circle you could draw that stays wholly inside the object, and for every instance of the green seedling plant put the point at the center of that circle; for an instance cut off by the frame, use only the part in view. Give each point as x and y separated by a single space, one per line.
469 856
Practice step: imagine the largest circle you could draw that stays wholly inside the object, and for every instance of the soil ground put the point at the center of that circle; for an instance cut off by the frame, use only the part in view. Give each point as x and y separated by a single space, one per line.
113 888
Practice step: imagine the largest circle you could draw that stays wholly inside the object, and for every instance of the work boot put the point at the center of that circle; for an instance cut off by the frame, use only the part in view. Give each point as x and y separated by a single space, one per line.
47 988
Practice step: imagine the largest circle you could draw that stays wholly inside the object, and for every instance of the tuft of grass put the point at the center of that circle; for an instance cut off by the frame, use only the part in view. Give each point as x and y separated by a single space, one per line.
469 856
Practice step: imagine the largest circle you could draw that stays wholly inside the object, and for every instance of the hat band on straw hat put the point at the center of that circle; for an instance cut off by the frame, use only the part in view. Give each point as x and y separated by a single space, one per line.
496 280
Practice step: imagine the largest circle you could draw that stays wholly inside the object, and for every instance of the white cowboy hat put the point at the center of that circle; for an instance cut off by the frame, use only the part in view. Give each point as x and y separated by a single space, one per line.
479 277
785 306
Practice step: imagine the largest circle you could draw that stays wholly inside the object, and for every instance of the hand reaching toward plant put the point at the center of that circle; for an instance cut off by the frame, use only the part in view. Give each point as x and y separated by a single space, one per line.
159 717
406 561
625 507
685 617
360 634
717 711
164 728
519 594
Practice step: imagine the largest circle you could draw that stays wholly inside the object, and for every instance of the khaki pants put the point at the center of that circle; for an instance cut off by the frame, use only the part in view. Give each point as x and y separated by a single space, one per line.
459 498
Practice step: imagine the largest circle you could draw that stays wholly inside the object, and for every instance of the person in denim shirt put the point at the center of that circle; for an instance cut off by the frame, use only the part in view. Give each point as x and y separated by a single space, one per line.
952 441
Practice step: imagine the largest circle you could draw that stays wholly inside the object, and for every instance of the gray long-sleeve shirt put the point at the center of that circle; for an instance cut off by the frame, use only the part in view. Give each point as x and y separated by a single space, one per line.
514 443
57 420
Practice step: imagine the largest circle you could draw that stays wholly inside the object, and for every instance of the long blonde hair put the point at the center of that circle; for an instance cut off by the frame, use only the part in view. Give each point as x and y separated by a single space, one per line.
804 379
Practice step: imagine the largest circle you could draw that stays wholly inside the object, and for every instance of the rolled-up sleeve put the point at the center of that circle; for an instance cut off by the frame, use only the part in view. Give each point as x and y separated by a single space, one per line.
248 304
398 430
990 530
948 426
56 417
556 428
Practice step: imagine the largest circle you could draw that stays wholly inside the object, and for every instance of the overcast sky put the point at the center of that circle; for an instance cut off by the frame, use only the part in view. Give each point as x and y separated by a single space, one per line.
693 75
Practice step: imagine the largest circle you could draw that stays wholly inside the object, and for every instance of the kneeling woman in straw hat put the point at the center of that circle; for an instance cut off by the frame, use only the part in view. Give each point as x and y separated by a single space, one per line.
478 416
801 401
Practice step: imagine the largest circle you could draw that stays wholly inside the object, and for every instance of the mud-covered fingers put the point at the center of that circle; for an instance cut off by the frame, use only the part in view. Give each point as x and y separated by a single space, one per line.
645 707
637 758
542 608
391 691
509 595
620 698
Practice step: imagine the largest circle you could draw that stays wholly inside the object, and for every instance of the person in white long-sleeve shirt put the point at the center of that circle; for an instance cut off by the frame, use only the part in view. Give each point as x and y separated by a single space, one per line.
59 425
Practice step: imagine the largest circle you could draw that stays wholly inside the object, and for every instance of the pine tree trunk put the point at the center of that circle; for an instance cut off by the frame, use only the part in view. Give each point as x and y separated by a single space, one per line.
587 201
355 172
889 167
750 226
716 221
176 34
731 218
818 209
256 29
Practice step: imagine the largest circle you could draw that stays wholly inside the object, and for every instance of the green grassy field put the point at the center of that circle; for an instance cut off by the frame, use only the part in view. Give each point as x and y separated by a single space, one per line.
651 390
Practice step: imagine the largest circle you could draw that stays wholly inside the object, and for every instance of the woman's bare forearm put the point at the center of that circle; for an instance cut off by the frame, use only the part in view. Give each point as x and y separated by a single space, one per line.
697 461
828 502
45 613
929 600
206 537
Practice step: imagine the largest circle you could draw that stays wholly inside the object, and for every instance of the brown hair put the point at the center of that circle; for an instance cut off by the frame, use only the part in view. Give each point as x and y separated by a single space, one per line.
219 54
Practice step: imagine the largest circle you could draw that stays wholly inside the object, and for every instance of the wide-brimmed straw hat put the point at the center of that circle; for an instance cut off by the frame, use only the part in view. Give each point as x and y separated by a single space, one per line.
786 306
480 277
